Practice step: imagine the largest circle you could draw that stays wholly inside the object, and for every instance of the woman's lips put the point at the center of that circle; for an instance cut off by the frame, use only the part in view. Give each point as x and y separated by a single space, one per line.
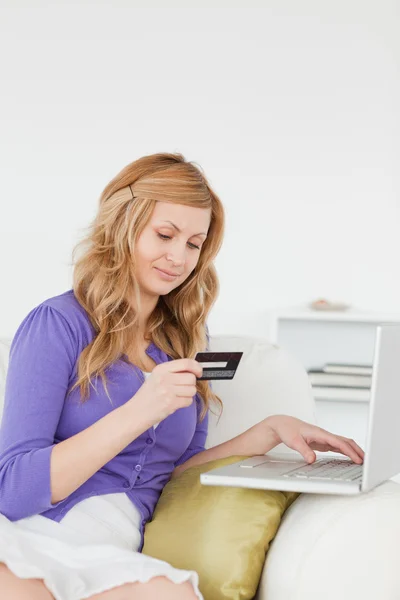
165 275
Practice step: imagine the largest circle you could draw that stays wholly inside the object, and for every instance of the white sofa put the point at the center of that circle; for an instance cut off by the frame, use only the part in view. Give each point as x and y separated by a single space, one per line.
330 547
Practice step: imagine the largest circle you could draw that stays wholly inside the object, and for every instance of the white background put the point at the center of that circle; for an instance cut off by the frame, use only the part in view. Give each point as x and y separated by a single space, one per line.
291 108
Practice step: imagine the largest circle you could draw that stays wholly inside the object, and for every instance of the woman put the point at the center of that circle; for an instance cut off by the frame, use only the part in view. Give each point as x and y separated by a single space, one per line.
103 405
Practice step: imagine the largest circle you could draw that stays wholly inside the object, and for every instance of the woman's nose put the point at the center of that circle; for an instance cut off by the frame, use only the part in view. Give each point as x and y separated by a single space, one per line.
177 257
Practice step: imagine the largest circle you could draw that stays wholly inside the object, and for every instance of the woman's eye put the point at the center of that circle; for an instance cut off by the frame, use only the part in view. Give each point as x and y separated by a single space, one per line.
167 237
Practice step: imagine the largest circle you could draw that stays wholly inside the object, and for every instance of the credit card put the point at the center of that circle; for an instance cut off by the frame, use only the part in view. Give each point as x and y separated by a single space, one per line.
218 365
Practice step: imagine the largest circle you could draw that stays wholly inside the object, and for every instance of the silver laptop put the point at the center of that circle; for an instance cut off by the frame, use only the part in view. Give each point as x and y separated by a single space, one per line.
333 473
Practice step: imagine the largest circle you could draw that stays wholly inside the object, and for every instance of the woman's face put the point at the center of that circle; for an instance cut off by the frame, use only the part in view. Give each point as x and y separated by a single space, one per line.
170 243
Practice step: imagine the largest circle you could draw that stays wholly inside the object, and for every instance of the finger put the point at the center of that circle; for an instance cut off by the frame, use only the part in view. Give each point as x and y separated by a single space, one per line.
300 445
344 447
185 391
356 447
185 364
183 378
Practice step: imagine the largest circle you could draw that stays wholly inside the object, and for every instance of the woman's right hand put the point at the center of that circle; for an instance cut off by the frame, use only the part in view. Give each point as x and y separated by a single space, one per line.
171 385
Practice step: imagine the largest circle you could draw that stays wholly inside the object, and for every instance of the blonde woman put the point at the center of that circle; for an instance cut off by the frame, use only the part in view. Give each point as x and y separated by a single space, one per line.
103 404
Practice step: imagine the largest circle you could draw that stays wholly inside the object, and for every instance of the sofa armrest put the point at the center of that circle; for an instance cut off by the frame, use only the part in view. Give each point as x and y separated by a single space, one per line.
336 547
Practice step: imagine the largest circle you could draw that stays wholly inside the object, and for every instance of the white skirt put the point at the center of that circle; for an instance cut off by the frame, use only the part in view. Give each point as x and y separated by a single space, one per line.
93 549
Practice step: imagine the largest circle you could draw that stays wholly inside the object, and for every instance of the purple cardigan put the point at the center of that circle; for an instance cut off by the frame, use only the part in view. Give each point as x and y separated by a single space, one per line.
38 415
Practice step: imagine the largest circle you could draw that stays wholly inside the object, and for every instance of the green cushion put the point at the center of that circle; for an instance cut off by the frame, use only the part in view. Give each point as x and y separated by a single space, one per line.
223 533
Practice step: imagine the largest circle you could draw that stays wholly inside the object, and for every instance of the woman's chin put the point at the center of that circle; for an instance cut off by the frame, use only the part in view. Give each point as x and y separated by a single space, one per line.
161 289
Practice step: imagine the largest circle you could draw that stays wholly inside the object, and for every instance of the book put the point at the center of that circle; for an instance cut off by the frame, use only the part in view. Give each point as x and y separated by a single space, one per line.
346 368
339 379
341 393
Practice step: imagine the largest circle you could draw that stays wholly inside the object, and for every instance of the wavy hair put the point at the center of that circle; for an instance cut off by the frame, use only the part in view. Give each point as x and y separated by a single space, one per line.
104 279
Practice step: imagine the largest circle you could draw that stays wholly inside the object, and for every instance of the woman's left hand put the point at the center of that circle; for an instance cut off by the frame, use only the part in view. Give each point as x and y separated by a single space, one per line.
305 438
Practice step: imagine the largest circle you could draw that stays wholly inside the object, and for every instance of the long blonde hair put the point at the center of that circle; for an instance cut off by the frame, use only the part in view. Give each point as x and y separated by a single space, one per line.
104 279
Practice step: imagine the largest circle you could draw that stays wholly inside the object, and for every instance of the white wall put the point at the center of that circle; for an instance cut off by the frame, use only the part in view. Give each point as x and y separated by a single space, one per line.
292 109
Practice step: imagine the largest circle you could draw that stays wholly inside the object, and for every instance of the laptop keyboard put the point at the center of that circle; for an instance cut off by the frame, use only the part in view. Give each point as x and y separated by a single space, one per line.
335 470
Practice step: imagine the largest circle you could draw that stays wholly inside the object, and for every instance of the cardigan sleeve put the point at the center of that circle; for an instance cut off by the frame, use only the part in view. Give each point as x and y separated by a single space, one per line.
42 358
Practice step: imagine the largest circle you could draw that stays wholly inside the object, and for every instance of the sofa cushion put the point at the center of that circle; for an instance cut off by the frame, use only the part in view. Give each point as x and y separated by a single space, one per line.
223 533
268 381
